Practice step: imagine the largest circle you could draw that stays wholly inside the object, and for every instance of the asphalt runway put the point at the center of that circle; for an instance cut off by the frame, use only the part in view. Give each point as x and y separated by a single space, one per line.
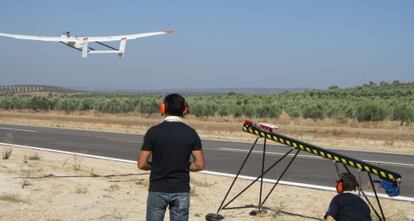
225 157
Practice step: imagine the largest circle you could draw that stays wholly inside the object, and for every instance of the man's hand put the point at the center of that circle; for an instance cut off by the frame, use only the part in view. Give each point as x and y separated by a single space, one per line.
142 161
329 218
199 162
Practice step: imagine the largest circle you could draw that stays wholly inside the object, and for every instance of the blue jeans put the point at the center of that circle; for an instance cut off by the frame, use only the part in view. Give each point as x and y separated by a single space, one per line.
157 202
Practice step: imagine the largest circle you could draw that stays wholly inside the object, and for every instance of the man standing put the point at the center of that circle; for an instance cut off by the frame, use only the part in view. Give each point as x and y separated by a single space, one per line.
171 144
347 206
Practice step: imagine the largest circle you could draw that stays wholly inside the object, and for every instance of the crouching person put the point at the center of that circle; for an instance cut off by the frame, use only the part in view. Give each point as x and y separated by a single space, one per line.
171 145
347 205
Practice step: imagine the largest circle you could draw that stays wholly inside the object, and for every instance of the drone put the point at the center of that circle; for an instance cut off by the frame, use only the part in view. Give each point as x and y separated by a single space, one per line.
83 44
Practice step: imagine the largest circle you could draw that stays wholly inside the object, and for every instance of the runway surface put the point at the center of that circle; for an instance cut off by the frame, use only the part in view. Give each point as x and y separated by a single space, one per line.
221 156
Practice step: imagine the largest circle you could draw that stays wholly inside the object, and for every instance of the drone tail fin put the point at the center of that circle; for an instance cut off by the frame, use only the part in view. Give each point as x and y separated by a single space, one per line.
85 48
122 46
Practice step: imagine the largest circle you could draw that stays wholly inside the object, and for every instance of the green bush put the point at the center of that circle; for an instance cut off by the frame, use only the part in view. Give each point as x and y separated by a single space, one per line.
371 112
403 112
314 111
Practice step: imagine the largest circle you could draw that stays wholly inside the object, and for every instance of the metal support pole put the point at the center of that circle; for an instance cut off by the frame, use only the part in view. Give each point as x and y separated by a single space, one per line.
376 196
280 177
370 204
261 180
238 173
266 171
360 182
336 168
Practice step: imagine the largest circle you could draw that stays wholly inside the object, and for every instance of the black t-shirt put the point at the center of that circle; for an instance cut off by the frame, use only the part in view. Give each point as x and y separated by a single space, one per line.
171 144
348 207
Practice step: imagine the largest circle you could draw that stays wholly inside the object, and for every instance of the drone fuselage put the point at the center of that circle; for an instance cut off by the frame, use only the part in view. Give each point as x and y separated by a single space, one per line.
72 42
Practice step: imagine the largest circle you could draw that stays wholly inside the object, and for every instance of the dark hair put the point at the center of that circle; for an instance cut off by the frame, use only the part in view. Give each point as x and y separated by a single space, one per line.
349 181
174 104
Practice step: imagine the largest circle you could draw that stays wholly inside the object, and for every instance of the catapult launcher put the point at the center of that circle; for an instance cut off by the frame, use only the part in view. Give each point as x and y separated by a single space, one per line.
389 180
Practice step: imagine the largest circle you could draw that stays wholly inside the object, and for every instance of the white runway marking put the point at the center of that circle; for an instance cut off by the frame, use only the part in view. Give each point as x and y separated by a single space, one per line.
304 185
16 129
390 163
270 153
120 140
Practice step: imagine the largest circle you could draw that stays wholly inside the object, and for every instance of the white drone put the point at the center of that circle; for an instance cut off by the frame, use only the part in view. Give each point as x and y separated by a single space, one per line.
82 43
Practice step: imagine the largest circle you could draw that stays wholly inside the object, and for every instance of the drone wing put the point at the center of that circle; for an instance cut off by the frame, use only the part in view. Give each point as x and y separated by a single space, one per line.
37 38
81 43
125 37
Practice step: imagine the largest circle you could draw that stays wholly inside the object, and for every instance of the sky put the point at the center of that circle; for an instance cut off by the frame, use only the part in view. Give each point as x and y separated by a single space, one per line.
217 44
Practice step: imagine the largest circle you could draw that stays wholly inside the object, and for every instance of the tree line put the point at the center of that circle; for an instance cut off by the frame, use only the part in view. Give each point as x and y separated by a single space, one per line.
368 102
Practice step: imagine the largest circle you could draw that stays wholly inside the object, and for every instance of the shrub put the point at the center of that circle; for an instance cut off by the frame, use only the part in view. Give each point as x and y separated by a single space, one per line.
34 156
313 111
404 113
7 153
370 112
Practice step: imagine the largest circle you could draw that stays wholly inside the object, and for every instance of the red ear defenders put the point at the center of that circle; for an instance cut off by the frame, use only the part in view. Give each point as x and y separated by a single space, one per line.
163 108
339 186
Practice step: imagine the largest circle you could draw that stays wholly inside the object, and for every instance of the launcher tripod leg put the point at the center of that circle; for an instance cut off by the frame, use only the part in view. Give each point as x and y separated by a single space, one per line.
359 181
260 209
280 177
254 181
376 196
217 216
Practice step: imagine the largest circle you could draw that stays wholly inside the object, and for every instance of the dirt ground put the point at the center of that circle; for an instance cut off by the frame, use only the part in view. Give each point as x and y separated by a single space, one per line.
387 136
40 185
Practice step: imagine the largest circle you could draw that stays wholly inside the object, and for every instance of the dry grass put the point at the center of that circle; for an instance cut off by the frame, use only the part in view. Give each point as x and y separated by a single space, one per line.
193 192
114 187
34 157
25 183
76 164
12 198
201 183
81 190
7 152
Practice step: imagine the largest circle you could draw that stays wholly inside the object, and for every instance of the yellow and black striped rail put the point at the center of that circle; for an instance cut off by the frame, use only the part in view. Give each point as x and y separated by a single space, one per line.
330 155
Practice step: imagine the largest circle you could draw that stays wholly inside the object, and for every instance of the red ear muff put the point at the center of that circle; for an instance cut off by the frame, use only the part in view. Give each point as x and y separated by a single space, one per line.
162 108
339 187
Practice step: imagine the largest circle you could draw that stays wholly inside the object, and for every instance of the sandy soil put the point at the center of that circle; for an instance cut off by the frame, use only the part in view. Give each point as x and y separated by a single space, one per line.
39 185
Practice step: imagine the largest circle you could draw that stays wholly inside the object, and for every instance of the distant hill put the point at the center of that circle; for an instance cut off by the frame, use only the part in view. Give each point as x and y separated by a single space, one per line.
204 91
46 89
34 89
219 91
